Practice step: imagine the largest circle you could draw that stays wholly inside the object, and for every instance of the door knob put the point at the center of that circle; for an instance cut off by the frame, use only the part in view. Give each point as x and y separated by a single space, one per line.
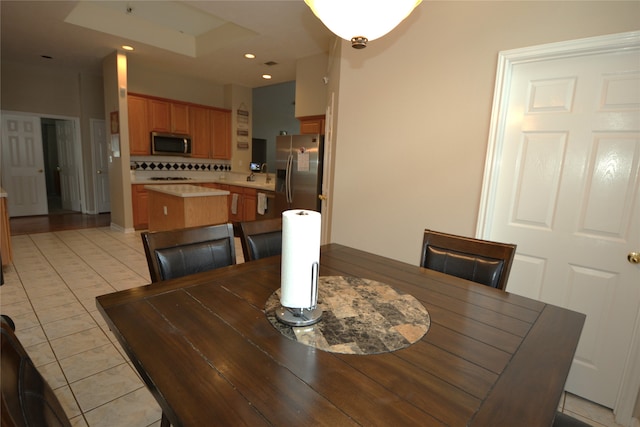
634 257
98 171
322 197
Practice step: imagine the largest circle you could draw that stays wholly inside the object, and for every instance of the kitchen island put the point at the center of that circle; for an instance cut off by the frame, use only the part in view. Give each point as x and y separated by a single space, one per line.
183 205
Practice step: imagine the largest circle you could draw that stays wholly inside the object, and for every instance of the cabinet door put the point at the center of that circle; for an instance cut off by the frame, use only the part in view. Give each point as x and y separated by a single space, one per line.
200 131
160 115
139 130
221 141
140 207
311 125
180 118
249 204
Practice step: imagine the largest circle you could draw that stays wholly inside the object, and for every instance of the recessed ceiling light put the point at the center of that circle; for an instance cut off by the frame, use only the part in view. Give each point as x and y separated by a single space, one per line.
126 47
266 76
249 55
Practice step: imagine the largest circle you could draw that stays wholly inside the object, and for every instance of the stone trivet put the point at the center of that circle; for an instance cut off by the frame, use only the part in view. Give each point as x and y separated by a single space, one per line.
360 316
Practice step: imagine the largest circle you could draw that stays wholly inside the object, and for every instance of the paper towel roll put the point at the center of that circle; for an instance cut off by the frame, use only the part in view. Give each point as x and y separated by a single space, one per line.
300 258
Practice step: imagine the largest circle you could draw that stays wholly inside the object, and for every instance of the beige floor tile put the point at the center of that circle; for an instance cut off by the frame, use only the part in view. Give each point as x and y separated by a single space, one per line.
69 325
78 421
71 309
79 342
50 301
53 375
135 409
589 411
41 354
25 320
105 386
17 309
68 401
91 362
31 336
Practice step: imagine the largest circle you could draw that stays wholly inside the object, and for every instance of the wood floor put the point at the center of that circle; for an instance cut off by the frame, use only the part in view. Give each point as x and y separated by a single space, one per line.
57 222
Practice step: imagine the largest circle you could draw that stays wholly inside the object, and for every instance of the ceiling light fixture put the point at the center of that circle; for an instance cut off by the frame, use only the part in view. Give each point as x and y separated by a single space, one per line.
266 76
127 47
360 21
249 56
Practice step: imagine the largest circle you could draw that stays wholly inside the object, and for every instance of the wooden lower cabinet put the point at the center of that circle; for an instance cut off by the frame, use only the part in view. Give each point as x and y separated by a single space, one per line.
140 200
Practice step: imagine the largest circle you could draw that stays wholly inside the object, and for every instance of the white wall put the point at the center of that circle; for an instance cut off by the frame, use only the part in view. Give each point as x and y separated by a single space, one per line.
414 110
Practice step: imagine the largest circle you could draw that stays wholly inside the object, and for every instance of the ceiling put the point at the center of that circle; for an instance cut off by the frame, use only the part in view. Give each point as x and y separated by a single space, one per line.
201 39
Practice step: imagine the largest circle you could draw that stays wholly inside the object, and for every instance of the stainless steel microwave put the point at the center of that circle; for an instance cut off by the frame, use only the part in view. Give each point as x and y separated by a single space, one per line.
170 144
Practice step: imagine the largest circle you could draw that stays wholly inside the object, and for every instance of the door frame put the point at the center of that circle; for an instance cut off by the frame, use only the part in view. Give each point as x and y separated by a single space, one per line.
630 386
77 151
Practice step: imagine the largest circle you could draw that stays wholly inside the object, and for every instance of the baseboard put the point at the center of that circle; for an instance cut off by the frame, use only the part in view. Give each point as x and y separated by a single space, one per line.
121 229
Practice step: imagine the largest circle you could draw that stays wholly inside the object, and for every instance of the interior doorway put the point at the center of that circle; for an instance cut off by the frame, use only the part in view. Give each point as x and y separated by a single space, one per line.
51 165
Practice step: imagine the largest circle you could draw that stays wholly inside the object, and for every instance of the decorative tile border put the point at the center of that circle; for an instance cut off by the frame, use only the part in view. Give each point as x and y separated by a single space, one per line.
179 166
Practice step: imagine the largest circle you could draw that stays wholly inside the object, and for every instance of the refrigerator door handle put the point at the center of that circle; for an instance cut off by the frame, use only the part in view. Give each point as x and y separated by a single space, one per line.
288 182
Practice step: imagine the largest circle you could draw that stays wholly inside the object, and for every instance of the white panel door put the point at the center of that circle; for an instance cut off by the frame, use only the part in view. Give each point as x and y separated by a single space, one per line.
566 192
101 162
69 175
23 165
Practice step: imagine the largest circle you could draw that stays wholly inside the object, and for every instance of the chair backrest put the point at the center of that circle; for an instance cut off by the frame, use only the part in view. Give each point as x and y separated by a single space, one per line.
480 261
27 399
176 253
261 238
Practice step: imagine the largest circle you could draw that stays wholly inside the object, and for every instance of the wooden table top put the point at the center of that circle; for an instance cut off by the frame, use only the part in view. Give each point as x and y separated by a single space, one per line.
206 350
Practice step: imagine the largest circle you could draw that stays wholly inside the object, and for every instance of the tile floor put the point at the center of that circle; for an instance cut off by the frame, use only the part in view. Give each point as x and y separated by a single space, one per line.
50 292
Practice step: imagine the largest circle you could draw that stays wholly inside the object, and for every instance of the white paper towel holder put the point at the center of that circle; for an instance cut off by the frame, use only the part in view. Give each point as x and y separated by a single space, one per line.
303 316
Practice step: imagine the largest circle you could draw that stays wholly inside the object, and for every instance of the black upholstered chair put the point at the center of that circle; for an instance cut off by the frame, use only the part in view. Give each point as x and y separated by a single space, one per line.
27 399
261 238
176 253
564 420
480 261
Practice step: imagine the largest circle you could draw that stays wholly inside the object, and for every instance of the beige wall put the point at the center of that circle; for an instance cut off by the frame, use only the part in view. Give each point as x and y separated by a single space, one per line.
414 112
56 93
171 86
311 91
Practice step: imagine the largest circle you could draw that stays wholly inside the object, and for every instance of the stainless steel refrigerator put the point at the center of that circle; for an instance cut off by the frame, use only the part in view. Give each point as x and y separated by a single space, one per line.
298 172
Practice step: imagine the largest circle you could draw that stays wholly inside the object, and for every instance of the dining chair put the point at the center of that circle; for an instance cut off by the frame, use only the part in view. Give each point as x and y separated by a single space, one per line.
176 253
261 238
481 261
27 399
564 420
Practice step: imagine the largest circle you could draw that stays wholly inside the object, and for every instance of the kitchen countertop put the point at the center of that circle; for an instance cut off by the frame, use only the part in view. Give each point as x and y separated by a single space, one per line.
259 185
186 190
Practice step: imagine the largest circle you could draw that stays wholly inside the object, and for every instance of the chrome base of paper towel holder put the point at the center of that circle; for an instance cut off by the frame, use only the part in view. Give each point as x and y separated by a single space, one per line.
298 316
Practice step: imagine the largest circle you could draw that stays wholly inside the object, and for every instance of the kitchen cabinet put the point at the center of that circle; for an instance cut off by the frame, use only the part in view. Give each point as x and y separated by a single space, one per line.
311 125
140 202
221 141
139 129
168 116
201 131
209 127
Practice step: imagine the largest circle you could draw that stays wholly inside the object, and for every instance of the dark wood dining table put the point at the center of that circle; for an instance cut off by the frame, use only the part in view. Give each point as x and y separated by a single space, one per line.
207 352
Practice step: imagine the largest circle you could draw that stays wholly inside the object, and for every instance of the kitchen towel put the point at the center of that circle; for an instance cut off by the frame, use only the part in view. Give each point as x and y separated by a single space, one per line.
234 203
262 203
300 258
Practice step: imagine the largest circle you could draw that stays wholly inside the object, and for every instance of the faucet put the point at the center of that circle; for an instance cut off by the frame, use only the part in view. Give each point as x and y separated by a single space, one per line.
263 168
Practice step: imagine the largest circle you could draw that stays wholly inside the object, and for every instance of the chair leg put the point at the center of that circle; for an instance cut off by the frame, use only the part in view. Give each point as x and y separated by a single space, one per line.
164 421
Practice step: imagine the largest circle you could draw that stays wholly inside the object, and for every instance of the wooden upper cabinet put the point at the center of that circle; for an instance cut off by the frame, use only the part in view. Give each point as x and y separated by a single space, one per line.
139 129
209 127
221 125
166 116
311 125
200 125
180 118
160 115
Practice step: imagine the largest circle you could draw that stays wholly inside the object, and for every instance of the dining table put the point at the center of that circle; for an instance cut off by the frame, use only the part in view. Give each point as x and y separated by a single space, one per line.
211 356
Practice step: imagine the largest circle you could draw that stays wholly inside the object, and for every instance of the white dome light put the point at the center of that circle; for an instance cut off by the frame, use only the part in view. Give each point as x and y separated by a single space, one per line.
361 21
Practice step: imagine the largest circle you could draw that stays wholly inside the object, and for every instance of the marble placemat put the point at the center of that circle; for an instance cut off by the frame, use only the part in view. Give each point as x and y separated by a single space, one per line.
360 316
